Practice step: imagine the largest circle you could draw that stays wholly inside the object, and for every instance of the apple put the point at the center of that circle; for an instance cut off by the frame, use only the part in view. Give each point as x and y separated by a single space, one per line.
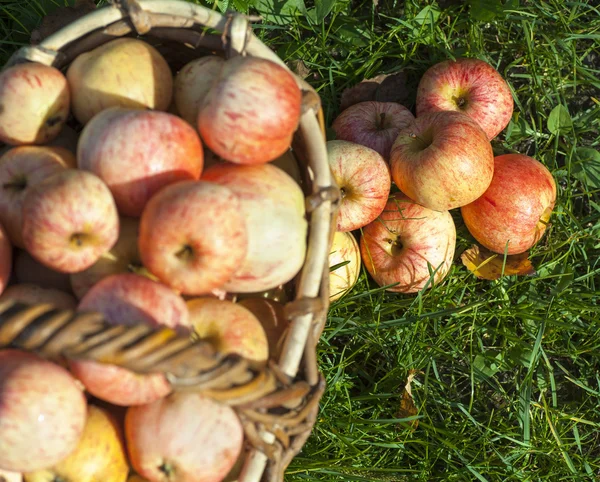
513 213
470 86
20 169
193 236
6 476
271 315
34 294
99 456
363 178
6 259
372 124
124 72
69 220
42 412
272 206
192 83
231 328
30 271
251 112
35 103
344 249
129 299
137 152
442 161
184 437
405 243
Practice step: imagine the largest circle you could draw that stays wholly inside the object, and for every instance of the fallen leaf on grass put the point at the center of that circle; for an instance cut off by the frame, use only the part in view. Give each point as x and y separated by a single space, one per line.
407 405
487 265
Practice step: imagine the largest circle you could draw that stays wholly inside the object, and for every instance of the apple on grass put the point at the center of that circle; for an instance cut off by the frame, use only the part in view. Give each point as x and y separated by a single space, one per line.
405 243
443 160
33 294
512 214
42 412
185 437
372 124
363 178
470 86
99 456
342 277
137 152
127 299
6 258
30 271
35 103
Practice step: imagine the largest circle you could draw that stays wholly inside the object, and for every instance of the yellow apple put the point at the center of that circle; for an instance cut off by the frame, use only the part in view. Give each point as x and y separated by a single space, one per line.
343 249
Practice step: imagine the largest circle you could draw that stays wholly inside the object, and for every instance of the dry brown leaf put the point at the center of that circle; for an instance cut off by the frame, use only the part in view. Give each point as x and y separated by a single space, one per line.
407 404
488 265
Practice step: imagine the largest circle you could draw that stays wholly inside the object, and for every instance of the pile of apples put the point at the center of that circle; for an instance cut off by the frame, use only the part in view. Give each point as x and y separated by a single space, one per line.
439 160
153 197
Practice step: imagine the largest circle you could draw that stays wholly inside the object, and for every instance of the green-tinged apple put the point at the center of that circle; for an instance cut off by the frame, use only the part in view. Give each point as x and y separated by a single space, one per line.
99 457
124 72
6 476
363 178
272 206
30 271
443 160
34 294
342 277
372 124
251 112
127 299
231 328
34 103
137 152
42 412
184 437
470 86
6 258
513 213
406 243
193 236
20 169
192 83
69 220
271 315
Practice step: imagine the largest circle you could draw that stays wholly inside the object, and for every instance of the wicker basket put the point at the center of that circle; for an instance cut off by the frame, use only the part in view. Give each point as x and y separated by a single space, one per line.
277 404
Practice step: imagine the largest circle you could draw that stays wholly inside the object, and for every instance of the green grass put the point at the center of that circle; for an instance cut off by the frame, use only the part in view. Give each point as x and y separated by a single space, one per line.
508 383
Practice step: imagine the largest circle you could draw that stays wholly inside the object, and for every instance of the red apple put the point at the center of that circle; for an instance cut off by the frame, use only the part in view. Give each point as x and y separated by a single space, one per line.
184 437
470 86
127 299
69 220
405 243
193 236
251 112
42 412
6 258
442 161
344 249
30 271
20 169
372 124
35 103
33 295
137 152
364 181
512 214
272 205
124 72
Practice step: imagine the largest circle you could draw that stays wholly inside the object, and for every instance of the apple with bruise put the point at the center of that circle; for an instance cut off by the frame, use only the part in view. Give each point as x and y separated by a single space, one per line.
344 264
33 295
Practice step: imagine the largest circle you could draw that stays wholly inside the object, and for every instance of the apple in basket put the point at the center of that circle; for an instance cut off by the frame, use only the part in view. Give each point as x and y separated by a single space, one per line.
30 271
33 294
6 476
35 103
37 397
407 243
6 258
99 456
342 277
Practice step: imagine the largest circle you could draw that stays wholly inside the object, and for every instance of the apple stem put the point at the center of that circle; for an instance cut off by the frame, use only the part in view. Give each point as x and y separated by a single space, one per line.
167 469
52 121
77 239
342 192
18 185
381 123
185 253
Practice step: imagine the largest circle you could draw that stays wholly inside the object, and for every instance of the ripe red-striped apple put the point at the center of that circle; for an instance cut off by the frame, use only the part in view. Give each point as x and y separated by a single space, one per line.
69 220
184 437
405 243
20 169
30 271
470 86
34 100
443 160
372 124
37 397
6 258
344 249
272 206
124 72
126 299
251 112
193 236
364 181
34 294
512 214
137 152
